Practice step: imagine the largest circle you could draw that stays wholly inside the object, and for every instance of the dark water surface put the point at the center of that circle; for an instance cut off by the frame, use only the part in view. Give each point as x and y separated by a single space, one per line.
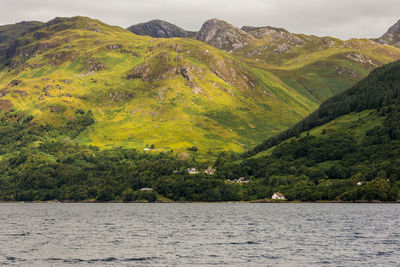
199 234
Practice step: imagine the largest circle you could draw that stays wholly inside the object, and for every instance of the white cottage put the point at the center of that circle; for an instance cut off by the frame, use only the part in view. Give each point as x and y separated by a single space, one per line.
192 171
279 196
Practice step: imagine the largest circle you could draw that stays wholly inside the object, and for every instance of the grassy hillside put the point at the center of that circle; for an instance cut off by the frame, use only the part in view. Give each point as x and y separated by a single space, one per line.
175 94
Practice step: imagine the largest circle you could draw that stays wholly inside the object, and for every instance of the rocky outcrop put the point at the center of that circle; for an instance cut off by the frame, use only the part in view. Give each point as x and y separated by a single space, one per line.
392 36
141 71
114 47
94 65
223 35
160 29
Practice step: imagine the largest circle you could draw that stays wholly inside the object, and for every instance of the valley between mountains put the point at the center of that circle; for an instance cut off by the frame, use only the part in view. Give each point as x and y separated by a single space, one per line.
157 87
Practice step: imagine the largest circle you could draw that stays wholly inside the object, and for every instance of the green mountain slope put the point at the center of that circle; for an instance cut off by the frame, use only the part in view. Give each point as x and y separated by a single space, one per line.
346 150
174 93
178 93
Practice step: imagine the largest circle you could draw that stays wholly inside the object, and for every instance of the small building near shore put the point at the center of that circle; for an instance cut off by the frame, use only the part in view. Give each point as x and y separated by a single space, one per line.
278 196
147 189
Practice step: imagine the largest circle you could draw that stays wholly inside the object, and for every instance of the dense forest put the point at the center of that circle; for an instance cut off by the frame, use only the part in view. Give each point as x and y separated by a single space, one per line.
41 162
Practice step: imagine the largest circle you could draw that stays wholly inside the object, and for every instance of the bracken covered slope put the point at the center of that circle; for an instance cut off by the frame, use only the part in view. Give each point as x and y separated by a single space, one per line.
173 93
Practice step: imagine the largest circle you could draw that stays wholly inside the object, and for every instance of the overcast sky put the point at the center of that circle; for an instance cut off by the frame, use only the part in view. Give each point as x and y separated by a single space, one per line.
340 18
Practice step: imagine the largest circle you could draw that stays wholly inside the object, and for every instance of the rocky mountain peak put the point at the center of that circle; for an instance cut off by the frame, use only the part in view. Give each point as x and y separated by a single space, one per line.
223 35
392 36
160 29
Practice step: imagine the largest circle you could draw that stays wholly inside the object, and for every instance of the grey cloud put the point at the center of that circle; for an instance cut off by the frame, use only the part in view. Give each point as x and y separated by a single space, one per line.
340 18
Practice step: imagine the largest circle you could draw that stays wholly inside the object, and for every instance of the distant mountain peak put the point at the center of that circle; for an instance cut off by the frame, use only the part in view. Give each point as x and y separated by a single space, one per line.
160 29
392 36
223 35
252 28
267 31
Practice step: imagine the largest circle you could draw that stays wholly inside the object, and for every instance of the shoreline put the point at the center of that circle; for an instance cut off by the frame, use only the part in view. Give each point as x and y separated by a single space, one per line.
262 201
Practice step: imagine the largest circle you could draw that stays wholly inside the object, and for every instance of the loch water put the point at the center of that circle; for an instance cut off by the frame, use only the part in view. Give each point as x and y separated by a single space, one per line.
199 234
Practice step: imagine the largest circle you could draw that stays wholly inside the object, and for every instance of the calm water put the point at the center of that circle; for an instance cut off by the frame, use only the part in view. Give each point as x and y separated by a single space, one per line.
199 234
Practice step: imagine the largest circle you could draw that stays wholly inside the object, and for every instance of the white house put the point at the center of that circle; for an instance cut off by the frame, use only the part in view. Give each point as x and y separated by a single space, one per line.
192 171
279 196
146 149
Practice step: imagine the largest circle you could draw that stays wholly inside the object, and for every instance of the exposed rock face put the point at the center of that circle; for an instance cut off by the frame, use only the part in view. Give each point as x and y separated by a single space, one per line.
160 29
223 35
392 36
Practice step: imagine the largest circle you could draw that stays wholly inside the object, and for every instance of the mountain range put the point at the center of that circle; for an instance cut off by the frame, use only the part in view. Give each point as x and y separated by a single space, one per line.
93 112
160 87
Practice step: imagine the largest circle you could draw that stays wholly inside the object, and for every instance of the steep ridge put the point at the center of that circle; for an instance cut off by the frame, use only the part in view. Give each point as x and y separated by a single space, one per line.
173 93
392 36
160 29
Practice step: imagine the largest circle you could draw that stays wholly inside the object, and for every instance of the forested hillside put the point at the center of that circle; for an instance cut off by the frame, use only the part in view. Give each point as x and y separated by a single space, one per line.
346 150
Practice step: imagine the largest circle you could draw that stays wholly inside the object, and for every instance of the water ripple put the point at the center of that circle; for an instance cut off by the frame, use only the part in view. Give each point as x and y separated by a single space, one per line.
199 234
